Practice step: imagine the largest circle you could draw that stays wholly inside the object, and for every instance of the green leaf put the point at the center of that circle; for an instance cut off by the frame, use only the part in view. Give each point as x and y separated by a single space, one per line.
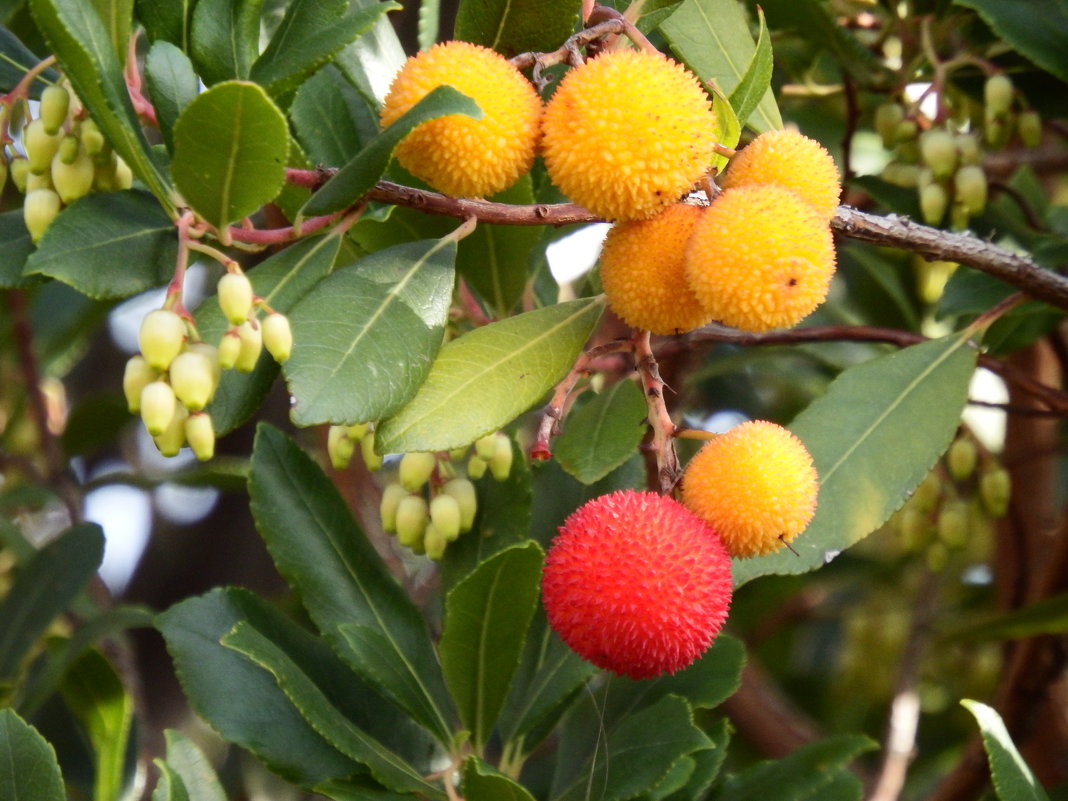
316 708
372 60
109 245
1013 780
225 38
172 85
350 595
281 280
712 38
1048 616
482 380
241 700
486 620
311 32
44 588
117 16
170 786
517 26
17 247
82 45
841 785
1014 21
707 763
95 694
746 96
188 762
28 767
800 773
873 437
358 789
365 336
167 20
603 434
358 176
331 119
483 783
16 60
230 148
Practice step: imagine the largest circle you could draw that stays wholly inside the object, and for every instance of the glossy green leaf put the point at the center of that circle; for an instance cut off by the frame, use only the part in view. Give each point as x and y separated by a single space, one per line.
484 379
225 38
707 762
316 708
350 595
281 280
598 437
746 96
172 85
44 588
372 60
109 245
481 782
331 119
1015 22
82 45
358 789
800 773
712 38
675 779
95 694
17 247
170 786
117 16
16 60
188 762
28 767
1013 780
841 785
167 20
1048 616
873 437
365 336
517 26
309 35
230 148
486 620
241 700
356 178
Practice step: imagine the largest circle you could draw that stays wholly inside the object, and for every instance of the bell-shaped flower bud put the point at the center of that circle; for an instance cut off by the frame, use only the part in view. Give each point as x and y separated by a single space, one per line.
40 145
40 207
251 346
161 337
235 297
445 515
158 407
466 497
387 508
137 375
200 434
412 519
192 377
171 440
500 464
277 336
415 469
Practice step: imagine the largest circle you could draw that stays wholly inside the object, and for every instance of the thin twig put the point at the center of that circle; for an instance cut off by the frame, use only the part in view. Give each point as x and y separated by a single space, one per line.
667 460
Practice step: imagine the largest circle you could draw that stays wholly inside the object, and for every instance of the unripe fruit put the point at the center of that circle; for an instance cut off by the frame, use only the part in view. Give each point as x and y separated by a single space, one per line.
235 297
970 186
339 447
39 208
755 485
760 258
1029 125
636 584
229 349
251 346
158 407
997 94
643 272
459 155
434 542
446 517
995 491
277 336
939 151
933 202
171 440
791 160
200 434
415 469
55 103
161 337
135 378
75 179
412 519
192 376
371 460
40 145
387 507
628 133
476 467
888 116
500 464
466 497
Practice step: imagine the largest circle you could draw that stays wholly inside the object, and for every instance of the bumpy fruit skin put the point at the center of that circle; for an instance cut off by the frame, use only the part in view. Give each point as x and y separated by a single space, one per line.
459 155
628 133
755 485
760 258
636 584
643 272
790 159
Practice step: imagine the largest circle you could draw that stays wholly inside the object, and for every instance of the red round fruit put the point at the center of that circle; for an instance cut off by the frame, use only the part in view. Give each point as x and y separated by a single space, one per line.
637 584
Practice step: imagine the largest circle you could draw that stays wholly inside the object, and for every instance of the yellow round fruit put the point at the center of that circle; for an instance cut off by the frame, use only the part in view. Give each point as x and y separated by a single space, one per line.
790 159
628 133
754 485
760 258
458 155
643 272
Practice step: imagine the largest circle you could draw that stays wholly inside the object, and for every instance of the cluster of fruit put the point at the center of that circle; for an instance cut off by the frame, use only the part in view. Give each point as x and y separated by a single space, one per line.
64 158
175 375
428 503
944 161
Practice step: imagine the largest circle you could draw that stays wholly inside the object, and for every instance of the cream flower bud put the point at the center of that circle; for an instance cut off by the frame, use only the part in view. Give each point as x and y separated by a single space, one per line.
277 336
40 145
434 542
161 337
135 378
445 515
251 346
476 467
372 461
40 207
74 179
229 349
55 103
339 447
412 519
200 434
387 508
415 469
464 492
171 440
235 297
158 407
500 464
192 377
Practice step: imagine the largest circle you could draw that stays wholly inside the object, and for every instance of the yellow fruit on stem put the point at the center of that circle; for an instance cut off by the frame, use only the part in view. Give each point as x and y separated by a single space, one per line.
643 272
760 258
459 155
628 133
754 485
789 159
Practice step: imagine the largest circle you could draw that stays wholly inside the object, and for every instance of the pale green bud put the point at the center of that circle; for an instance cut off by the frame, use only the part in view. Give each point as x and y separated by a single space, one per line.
192 377
434 542
339 447
915 527
412 519
171 440
42 181
40 145
888 116
415 469
961 459
997 94
906 175
200 434
123 178
997 130
387 508
500 464
486 447
358 431
457 454
158 407
91 137
466 496
55 103
927 493
372 461
69 147
939 151
235 297
20 171
445 515
135 378
1029 126
907 131
476 467
277 336
933 203
251 346
229 349
970 185
161 338
968 149
40 207
995 491
953 523
73 180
